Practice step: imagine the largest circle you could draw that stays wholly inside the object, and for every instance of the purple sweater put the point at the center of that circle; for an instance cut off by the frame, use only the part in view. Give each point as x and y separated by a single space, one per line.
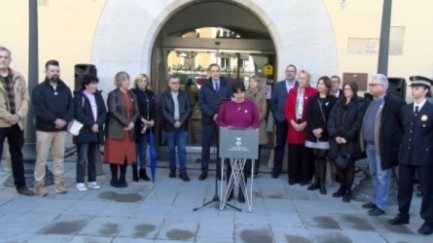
238 115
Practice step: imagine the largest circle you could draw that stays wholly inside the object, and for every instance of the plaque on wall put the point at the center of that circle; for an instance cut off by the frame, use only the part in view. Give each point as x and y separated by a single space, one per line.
359 78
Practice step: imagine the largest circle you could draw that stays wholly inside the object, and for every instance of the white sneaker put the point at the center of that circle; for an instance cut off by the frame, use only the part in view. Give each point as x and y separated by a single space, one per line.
81 187
94 185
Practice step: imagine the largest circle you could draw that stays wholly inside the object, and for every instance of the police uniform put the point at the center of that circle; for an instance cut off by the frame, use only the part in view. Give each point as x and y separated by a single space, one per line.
416 155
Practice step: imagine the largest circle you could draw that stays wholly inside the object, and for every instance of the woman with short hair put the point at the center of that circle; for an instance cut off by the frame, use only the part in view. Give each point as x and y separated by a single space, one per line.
90 110
119 149
238 113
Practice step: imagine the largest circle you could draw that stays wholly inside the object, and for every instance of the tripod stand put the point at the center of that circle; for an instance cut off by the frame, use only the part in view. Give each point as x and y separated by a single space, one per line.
216 197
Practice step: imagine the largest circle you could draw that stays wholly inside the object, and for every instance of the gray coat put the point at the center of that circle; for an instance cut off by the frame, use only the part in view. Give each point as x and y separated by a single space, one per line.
116 118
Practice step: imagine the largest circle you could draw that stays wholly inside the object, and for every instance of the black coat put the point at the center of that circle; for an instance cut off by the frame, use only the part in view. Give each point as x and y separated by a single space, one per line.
315 117
167 110
146 101
83 113
347 128
391 129
209 100
416 144
50 104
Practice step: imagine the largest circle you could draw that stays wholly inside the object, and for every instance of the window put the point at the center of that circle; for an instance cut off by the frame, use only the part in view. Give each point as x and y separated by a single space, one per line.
225 62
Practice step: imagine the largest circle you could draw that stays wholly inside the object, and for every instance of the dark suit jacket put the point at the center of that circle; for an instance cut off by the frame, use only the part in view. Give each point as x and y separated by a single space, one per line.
209 100
116 119
416 144
278 100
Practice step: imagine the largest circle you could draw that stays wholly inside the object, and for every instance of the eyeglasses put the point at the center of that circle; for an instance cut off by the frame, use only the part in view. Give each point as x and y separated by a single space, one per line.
372 84
290 71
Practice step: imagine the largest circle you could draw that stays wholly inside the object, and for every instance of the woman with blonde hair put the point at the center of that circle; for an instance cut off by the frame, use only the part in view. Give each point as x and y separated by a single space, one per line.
254 92
146 120
299 163
119 149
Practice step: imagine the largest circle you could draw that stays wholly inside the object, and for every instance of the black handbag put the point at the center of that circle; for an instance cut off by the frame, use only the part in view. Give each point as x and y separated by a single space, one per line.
342 159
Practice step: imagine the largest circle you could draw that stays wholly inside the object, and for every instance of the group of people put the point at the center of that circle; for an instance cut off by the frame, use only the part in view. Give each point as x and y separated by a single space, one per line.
319 124
328 123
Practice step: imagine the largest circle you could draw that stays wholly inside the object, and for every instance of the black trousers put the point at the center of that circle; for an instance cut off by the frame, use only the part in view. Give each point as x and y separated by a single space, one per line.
209 132
15 137
281 135
405 189
299 164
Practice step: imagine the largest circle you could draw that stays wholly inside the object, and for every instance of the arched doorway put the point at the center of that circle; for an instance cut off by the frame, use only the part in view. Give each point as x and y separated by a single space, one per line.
186 47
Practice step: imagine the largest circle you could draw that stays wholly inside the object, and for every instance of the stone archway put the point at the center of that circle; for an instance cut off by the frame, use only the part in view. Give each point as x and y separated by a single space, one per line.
300 29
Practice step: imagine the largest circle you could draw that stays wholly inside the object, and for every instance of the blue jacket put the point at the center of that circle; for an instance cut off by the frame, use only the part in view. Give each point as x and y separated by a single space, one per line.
209 100
50 104
278 100
416 144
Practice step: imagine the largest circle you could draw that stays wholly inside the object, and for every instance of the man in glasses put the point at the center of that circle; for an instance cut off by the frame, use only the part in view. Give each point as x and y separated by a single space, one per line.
380 137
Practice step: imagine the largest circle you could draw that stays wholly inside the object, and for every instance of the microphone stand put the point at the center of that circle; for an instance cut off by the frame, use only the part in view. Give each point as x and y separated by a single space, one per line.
215 197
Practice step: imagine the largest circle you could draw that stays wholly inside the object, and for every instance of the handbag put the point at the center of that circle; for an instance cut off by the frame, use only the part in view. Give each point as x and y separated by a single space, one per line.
342 160
75 126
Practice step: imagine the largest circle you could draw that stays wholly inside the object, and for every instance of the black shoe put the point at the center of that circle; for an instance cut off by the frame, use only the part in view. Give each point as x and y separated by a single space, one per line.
115 183
426 229
134 173
376 212
339 193
303 183
123 183
241 197
203 176
184 176
347 197
275 175
143 175
172 174
322 188
399 219
369 205
292 182
313 186
25 191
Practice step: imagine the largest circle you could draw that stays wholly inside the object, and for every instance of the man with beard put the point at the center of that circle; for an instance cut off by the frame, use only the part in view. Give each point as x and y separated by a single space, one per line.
14 102
53 104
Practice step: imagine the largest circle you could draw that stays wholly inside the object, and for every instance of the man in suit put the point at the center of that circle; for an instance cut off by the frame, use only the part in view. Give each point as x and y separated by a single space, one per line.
214 91
380 137
278 100
416 155
335 87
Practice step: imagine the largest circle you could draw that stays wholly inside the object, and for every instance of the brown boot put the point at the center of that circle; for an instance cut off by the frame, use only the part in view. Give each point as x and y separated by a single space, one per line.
40 190
60 187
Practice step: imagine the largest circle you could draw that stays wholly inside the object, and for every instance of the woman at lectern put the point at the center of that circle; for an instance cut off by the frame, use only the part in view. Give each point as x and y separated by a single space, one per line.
238 113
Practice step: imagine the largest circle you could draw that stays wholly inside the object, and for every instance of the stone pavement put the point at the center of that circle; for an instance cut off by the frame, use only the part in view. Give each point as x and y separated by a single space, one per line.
162 212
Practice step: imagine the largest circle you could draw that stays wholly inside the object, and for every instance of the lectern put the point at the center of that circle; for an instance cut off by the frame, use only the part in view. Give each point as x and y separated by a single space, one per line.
238 145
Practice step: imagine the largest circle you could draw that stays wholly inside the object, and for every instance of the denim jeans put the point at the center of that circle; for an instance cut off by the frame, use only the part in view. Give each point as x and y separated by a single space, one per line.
140 148
381 178
87 152
177 139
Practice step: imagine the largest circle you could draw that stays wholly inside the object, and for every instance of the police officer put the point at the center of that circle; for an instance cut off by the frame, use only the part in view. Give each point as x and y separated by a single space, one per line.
416 155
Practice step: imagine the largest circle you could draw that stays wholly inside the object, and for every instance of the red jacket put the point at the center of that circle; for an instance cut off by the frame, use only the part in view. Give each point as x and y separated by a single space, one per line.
294 137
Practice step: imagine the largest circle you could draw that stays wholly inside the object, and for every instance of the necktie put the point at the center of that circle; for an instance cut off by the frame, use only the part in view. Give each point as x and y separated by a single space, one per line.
216 86
416 110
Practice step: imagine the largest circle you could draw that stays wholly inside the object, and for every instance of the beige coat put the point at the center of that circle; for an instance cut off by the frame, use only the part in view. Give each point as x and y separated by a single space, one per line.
21 100
260 101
